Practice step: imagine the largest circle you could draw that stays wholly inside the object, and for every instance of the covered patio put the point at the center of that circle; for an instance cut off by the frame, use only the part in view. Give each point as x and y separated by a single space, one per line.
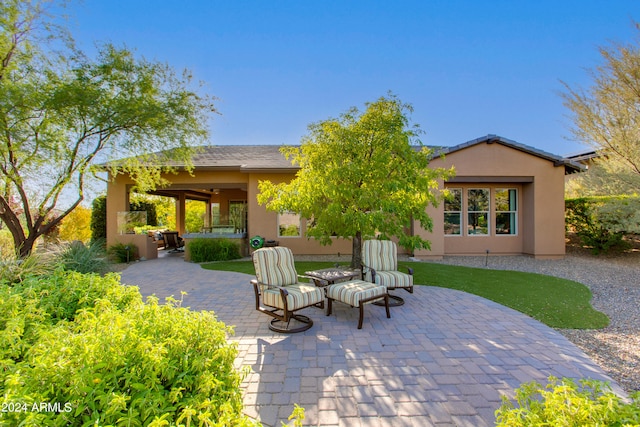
225 212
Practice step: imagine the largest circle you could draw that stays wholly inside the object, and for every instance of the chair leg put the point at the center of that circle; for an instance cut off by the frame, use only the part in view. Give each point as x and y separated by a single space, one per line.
329 306
386 305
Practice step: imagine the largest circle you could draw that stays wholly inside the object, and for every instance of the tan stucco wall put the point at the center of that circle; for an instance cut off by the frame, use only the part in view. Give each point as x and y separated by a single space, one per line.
264 223
540 203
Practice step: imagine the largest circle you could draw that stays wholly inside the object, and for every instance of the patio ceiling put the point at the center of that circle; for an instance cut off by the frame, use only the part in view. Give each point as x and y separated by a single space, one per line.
200 192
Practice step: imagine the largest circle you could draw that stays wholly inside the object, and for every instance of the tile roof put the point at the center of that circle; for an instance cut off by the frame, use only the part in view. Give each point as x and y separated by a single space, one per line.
245 157
269 157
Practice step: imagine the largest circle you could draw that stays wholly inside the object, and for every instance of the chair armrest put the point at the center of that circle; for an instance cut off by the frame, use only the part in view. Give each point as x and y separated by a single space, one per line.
369 269
259 284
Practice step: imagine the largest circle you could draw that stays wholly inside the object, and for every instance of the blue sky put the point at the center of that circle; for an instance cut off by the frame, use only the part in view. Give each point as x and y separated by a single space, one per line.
469 68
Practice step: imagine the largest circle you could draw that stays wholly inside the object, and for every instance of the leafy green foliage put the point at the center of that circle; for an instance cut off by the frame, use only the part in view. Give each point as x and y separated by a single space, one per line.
99 218
602 222
41 301
61 111
297 416
76 226
194 217
360 175
93 346
146 206
556 302
206 250
83 258
121 252
565 403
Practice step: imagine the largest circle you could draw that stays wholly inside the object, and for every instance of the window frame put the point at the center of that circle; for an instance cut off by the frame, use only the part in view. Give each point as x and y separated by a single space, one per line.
486 212
453 212
278 230
512 212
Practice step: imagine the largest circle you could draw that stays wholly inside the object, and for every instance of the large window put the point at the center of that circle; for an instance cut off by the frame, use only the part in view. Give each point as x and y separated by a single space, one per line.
478 211
481 212
289 224
453 212
506 211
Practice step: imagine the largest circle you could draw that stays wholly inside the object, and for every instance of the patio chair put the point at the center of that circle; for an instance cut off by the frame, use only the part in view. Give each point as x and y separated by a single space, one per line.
380 266
173 241
278 292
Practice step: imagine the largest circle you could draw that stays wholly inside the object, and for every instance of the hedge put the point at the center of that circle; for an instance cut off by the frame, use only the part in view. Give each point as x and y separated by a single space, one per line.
207 250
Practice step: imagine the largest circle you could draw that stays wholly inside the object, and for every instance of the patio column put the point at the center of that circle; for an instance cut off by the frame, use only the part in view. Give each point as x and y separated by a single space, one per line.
117 201
207 215
180 213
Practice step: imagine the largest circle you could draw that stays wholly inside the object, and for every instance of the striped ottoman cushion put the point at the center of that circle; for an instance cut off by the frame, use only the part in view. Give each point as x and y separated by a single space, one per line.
300 295
354 291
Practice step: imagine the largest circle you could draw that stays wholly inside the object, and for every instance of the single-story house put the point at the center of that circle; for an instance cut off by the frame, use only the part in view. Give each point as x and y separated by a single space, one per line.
508 199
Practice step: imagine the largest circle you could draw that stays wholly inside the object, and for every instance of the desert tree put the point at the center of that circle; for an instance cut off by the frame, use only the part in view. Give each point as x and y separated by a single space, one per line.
62 112
606 116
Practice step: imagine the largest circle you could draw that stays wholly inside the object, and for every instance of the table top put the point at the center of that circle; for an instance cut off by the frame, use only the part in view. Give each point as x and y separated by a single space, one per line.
333 273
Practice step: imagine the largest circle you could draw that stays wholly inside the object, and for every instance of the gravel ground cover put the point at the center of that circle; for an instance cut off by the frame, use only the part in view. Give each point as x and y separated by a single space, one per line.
615 284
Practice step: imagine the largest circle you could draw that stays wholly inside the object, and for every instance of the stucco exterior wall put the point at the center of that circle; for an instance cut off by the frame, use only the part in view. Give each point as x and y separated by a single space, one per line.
540 189
265 223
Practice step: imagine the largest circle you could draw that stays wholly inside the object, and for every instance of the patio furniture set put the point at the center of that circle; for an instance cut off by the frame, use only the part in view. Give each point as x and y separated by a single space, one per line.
280 294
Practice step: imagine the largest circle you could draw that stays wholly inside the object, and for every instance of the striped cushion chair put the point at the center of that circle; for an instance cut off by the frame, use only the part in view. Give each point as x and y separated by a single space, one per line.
278 292
380 266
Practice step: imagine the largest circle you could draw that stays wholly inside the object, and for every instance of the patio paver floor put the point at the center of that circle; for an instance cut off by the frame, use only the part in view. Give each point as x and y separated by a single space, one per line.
445 358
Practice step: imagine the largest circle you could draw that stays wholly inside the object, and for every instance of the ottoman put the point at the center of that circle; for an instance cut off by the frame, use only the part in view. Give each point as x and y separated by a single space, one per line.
357 293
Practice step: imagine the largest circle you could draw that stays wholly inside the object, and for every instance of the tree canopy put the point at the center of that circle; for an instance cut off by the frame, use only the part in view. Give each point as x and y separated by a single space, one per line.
61 112
606 116
362 175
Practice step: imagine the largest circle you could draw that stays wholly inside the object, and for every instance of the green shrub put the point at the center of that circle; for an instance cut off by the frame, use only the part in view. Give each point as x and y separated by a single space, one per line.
602 222
39 302
121 252
85 259
63 294
206 250
565 403
90 348
99 218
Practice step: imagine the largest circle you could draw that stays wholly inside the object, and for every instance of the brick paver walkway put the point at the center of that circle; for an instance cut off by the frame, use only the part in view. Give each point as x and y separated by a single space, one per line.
445 358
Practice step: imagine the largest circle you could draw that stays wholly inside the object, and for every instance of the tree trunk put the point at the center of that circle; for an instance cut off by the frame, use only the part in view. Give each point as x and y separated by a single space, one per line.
26 247
11 220
356 254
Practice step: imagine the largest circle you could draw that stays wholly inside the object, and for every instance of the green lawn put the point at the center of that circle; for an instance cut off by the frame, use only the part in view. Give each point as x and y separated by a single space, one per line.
558 303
